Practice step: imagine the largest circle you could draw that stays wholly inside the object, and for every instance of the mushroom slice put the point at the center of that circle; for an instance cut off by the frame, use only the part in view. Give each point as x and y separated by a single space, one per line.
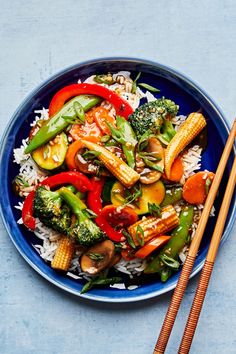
98 257
149 175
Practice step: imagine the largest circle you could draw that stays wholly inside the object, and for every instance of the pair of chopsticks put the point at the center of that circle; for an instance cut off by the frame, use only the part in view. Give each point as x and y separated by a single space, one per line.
210 258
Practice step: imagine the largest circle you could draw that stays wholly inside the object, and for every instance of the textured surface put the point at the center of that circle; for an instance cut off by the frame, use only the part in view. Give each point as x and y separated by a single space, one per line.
37 39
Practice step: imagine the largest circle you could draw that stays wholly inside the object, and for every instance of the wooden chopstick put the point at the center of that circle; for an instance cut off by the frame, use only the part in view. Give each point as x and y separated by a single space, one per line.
208 266
190 259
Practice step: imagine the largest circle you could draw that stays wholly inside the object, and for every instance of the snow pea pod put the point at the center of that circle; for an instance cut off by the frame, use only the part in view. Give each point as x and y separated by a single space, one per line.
178 240
68 114
172 196
125 135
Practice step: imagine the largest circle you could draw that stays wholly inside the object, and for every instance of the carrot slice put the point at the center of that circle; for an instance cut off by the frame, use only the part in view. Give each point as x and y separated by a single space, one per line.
71 152
176 171
194 190
88 131
151 246
101 116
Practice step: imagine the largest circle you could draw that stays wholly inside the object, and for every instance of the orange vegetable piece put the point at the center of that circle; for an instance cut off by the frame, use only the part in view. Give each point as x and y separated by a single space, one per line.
151 246
71 152
194 190
88 131
176 171
101 116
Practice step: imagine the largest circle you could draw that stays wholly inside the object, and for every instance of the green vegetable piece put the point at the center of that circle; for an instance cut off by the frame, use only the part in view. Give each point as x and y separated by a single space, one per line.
104 79
134 85
207 185
48 207
149 87
96 256
179 238
106 192
132 195
49 157
170 262
130 140
97 281
58 123
125 135
129 239
172 196
84 230
152 165
143 141
139 235
154 209
167 132
150 116
105 138
79 111
91 154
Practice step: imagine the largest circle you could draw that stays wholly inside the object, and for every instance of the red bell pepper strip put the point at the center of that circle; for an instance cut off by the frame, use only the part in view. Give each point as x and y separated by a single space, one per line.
122 107
27 211
121 217
94 200
95 204
108 229
80 181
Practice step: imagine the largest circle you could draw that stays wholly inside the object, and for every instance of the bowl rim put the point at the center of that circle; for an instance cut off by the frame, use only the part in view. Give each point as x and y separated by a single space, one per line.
55 76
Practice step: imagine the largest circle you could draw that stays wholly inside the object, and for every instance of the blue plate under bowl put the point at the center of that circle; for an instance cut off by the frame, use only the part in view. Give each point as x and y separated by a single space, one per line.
173 85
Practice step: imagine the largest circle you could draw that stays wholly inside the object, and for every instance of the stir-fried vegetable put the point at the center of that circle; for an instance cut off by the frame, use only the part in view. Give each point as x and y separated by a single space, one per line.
98 257
196 187
67 92
172 196
151 246
187 132
64 255
124 135
114 164
51 155
84 230
138 197
179 238
152 226
150 116
60 121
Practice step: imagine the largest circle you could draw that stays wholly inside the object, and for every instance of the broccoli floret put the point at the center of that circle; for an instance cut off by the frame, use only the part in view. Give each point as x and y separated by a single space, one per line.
167 132
84 230
60 223
152 115
86 233
49 208
47 203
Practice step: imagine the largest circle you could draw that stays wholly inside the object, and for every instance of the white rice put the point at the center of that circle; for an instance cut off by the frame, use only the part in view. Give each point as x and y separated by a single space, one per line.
33 175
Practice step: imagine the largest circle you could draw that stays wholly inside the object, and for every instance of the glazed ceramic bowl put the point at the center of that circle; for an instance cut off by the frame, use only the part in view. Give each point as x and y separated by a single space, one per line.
173 85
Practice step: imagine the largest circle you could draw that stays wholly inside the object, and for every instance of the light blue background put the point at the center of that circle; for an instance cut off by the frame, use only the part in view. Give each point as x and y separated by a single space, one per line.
37 39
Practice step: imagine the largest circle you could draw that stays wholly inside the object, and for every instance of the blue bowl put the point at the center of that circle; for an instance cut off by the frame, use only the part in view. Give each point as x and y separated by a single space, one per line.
173 85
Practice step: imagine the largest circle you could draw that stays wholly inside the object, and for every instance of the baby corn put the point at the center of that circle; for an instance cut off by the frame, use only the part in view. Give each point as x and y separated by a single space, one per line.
145 230
63 255
125 174
187 132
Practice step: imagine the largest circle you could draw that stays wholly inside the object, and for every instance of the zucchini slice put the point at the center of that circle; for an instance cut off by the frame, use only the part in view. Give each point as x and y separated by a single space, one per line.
51 155
151 193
